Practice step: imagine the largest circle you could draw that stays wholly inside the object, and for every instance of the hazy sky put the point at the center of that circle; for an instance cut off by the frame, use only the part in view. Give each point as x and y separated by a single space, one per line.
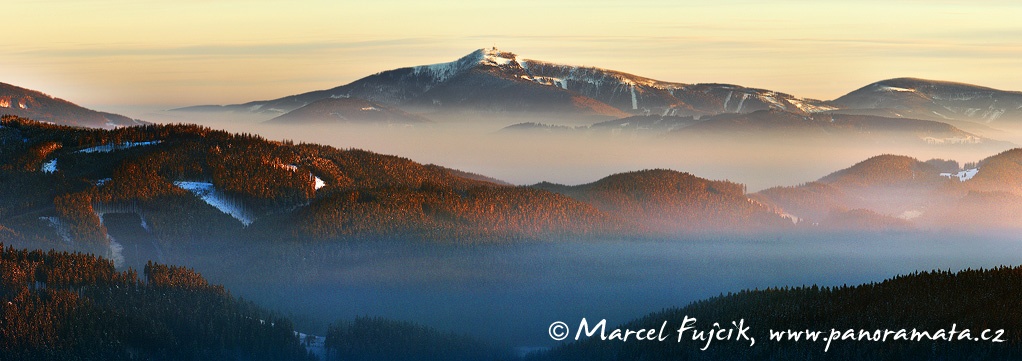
185 52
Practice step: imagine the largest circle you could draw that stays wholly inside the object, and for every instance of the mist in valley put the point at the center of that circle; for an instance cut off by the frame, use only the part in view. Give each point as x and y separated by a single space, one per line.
508 293
572 155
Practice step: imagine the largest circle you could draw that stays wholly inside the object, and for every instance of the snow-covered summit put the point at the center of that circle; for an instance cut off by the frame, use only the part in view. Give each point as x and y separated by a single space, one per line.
494 80
489 57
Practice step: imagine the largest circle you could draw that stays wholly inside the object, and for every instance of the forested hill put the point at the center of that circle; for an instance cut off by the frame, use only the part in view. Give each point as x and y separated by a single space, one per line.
929 301
71 306
669 201
897 192
15 100
191 184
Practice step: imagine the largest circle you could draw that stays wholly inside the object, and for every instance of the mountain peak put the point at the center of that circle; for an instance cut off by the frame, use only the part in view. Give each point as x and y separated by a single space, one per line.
485 56
496 57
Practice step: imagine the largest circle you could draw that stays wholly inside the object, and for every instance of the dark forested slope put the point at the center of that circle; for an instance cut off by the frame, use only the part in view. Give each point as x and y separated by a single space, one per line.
70 306
976 300
193 184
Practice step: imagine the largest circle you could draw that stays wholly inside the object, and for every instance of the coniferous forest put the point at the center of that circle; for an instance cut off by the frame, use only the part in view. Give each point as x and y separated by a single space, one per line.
73 306
977 300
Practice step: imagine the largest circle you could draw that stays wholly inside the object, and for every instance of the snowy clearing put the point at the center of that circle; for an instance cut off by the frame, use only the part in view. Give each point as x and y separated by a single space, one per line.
209 194
60 227
49 167
313 344
963 175
909 215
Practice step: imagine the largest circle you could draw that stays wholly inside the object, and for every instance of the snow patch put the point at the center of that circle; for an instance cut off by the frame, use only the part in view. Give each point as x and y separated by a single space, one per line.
116 253
810 108
953 140
318 182
211 196
443 71
741 103
994 115
50 166
315 345
894 89
770 97
107 148
60 227
909 215
939 115
635 101
496 57
548 80
962 175
790 217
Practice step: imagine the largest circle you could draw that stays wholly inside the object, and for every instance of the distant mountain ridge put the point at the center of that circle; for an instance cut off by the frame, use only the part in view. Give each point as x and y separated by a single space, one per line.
495 87
348 110
833 127
766 126
491 80
36 105
933 100
899 191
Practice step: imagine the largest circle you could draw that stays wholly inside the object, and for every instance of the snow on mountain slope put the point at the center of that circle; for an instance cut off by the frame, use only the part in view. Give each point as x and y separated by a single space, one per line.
444 71
934 100
492 80
208 193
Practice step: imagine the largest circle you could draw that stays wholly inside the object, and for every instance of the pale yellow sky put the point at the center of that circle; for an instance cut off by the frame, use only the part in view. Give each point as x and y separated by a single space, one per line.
174 53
